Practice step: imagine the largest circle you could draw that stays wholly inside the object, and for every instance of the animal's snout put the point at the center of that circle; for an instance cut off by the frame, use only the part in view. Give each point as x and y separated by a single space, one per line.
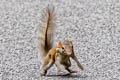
69 53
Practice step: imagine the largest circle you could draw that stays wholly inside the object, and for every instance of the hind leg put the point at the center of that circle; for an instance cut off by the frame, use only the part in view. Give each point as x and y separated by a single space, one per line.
46 66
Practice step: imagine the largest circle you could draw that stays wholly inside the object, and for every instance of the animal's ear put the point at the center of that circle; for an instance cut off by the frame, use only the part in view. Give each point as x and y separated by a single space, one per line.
60 44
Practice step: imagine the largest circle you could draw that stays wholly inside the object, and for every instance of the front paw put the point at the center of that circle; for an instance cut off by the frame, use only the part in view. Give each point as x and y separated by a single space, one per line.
73 71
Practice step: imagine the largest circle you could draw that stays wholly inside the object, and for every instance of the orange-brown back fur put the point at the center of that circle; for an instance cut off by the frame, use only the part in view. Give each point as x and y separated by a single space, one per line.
52 51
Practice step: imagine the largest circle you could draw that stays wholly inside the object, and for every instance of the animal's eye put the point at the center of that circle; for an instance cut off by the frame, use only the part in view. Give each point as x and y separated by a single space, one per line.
72 46
62 47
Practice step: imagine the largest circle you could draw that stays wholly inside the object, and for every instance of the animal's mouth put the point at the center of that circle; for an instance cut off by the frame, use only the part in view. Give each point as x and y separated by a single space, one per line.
69 53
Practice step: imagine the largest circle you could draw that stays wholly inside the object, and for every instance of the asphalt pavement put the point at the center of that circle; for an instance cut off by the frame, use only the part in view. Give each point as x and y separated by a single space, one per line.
92 25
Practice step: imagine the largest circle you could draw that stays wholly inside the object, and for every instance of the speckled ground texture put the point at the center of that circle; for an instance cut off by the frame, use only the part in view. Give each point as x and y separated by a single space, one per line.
92 25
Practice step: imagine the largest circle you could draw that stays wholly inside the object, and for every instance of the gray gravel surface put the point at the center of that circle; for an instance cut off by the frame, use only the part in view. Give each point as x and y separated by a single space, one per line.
92 25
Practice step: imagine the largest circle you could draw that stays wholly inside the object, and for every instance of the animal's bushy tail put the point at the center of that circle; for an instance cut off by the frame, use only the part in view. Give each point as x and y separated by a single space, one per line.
45 32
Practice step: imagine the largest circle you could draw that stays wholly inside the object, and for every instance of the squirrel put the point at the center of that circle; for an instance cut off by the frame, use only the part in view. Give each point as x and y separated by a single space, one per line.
64 53
59 54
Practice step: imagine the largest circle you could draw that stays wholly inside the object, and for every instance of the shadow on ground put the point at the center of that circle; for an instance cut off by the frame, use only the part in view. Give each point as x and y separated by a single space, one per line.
68 75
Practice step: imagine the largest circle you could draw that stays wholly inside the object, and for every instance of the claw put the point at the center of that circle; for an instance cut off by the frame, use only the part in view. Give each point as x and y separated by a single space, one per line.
59 70
42 74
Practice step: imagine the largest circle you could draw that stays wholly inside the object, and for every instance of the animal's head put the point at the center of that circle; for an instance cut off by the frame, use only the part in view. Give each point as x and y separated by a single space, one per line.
68 46
65 48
